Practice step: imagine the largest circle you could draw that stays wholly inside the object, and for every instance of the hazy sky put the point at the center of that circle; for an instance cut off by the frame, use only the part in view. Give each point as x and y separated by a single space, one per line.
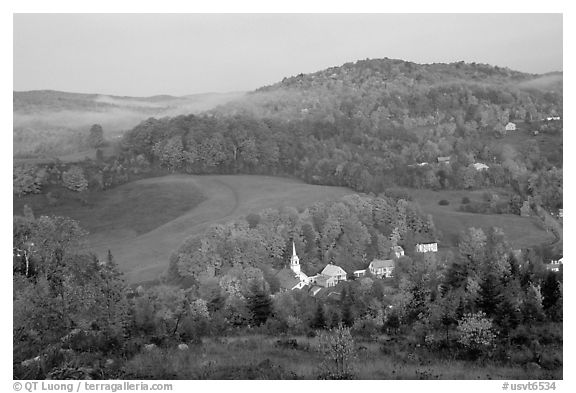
147 54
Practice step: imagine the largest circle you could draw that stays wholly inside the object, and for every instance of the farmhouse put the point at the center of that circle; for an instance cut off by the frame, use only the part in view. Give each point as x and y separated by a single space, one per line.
427 247
325 281
510 126
381 268
397 251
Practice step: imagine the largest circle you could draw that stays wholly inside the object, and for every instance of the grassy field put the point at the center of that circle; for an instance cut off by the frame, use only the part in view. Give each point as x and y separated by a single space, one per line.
144 221
521 231
260 357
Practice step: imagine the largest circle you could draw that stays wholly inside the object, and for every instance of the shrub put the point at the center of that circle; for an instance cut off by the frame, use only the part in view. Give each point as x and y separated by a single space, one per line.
74 179
443 202
475 332
465 200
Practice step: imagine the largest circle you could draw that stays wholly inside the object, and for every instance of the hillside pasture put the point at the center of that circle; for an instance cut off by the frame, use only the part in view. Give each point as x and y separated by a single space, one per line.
521 232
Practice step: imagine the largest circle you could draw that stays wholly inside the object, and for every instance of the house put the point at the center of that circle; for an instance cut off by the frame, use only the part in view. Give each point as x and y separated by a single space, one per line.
480 166
535 132
398 251
334 271
510 126
381 268
552 118
360 273
444 160
427 247
561 213
555 265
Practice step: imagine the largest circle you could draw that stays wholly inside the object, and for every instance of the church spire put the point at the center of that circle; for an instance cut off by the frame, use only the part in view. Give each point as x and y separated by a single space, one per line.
294 260
293 249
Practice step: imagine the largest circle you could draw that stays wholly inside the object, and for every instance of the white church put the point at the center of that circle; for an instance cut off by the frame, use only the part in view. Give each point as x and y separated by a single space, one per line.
295 278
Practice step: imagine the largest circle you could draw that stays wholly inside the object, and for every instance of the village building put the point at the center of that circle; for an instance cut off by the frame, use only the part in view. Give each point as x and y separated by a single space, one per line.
426 247
334 271
555 265
397 251
360 273
444 160
293 278
381 268
325 281
510 126
480 166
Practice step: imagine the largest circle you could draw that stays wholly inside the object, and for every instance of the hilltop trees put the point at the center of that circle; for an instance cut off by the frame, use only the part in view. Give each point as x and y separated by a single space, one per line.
74 179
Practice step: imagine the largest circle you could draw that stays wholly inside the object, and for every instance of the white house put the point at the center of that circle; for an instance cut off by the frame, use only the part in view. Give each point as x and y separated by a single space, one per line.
480 166
381 268
510 126
360 273
427 247
555 265
334 271
444 160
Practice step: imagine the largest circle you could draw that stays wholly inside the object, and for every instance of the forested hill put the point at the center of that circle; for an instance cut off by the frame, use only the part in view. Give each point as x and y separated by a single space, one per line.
374 124
387 89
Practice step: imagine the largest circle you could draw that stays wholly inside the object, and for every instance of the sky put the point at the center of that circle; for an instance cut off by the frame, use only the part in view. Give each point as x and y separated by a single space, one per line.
179 54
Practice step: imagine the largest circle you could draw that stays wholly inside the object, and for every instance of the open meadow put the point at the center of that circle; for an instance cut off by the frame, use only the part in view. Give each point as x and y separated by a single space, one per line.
521 232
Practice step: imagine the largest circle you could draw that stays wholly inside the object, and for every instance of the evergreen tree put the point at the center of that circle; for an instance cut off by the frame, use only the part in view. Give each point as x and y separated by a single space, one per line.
490 294
319 321
259 304
551 297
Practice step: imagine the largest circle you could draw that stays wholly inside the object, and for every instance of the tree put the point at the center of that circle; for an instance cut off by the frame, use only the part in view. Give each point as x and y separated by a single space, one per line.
27 179
338 353
96 136
319 320
551 297
259 303
74 179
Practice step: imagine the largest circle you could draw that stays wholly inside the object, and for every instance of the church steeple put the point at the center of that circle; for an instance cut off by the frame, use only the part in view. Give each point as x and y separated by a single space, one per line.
294 260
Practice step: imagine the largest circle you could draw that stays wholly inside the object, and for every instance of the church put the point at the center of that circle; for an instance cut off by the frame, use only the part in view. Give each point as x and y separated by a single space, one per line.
294 278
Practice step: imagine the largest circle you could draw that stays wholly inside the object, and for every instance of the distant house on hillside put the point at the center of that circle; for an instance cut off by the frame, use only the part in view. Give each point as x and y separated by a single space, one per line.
553 118
444 160
555 265
398 251
381 268
510 126
480 166
561 213
426 247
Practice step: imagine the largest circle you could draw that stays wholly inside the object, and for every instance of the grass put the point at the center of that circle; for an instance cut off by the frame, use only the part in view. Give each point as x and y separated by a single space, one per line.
521 232
239 357
145 221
